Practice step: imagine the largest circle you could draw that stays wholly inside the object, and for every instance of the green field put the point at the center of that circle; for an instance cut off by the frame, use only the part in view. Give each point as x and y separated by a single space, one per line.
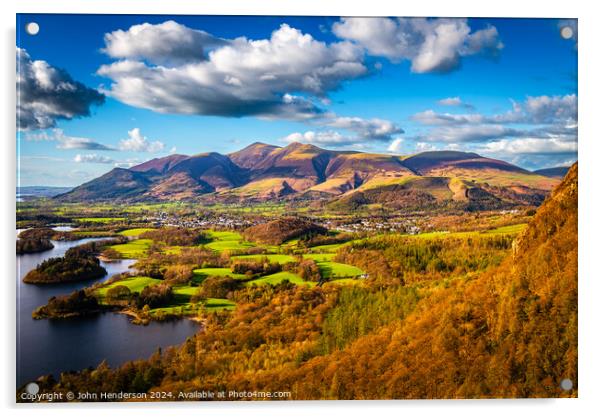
511 229
337 270
135 232
216 304
222 245
181 303
328 248
227 240
135 284
202 273
278 278
503 230
280 258
134 249
224 235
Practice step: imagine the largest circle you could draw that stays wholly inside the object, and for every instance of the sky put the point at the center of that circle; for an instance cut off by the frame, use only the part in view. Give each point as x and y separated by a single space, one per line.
95 92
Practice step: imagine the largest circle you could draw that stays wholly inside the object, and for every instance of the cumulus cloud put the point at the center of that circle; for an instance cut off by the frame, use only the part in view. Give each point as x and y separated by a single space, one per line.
531 146
365 129
321 138
551 109
455 102
46 94
537 131
93 158
136 142
362 131
128 163
469 133
279 77
432 118
489 132
431 45
425 147
67 142
534 110
395 146
167 43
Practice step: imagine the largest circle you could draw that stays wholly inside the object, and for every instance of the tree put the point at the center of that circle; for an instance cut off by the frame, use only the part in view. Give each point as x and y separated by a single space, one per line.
119 293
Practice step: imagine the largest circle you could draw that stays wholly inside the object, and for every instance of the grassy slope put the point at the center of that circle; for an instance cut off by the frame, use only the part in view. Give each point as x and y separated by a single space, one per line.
135 284
135 232
278 278
134 249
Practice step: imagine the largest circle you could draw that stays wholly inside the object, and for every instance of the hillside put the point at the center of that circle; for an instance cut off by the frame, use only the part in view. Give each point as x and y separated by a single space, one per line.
556 172
262 172
510 332
281 230
483 317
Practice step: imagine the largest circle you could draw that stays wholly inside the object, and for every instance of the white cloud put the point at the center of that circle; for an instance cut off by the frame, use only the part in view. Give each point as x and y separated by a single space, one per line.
93 159
455 102
552 109
470 133
165 43
531 146
450 101
128 163
425 147
534 110
395 146
432 45
368 129
362 131
242 77
136 142
66 142
46 94
540 131
322 138
432 118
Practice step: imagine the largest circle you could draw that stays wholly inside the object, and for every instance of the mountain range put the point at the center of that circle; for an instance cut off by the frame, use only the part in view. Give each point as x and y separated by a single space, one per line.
345 179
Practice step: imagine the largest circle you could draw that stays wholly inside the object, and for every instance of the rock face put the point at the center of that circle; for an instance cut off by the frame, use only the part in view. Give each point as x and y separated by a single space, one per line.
266 172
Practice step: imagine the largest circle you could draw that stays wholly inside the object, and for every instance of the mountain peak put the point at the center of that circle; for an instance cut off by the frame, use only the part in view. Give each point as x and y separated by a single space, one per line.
293 146
159 165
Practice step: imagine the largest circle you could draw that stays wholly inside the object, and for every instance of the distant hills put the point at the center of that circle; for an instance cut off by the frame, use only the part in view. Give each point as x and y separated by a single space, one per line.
556 172
40 191
345 179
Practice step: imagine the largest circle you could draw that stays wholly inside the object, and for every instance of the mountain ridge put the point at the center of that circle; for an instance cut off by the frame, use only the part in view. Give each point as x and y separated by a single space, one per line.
261 172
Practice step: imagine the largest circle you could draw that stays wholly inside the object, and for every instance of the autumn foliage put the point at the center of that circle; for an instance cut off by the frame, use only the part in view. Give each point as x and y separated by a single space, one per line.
438 319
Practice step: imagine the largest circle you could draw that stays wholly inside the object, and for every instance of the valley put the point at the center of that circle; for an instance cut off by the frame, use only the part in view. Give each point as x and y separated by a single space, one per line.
214 260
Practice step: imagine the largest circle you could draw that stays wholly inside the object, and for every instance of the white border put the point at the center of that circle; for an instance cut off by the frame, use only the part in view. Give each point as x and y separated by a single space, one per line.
590 288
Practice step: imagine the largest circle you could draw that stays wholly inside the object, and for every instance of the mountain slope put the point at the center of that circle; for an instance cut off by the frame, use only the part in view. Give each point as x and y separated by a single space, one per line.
117 184
159 165
556 172
510 332
263 172
252 155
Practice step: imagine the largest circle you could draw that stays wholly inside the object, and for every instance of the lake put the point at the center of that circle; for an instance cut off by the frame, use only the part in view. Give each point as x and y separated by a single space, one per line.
53 346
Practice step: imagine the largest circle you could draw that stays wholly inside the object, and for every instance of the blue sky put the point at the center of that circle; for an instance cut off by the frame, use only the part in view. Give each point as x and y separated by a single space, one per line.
99 91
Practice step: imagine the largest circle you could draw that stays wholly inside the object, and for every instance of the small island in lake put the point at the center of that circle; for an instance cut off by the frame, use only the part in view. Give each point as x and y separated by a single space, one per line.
33 245
78 264
75 304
